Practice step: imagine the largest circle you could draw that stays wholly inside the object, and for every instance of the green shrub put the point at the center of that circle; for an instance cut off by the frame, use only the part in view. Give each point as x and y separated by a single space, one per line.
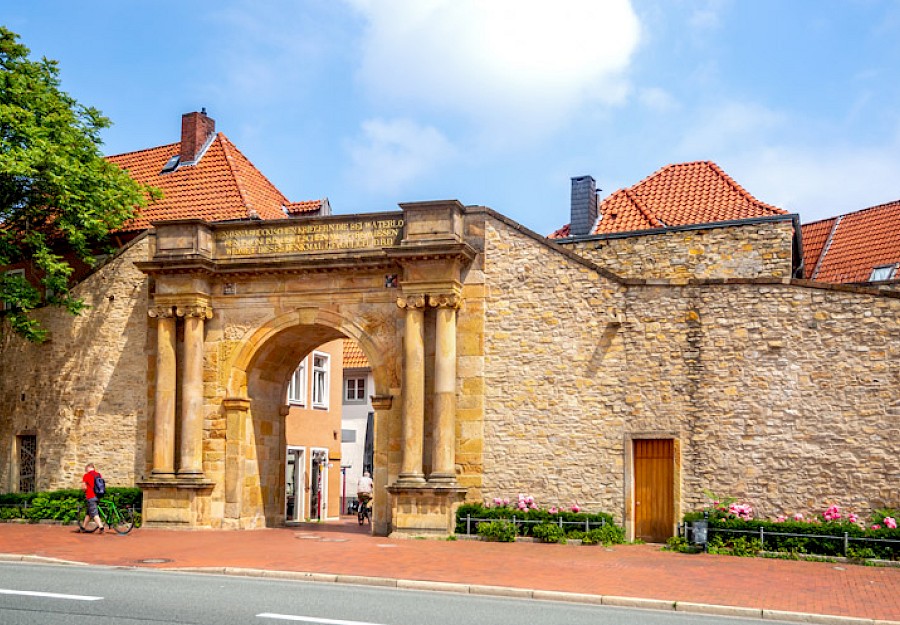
500 531
60 505
607 535
549 533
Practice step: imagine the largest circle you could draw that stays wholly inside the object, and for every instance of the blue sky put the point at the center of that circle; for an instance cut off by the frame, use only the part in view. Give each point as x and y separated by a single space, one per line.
500 102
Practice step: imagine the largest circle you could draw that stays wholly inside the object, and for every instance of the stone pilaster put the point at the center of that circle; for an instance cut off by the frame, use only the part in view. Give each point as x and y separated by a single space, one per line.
191 456
444 434
164 405
237 410
413 415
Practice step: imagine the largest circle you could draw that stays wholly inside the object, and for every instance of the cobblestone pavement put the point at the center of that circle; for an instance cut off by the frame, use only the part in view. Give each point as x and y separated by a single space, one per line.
341 550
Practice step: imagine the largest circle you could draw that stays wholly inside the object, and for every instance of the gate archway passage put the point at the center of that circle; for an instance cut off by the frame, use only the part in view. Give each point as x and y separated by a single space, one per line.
237 305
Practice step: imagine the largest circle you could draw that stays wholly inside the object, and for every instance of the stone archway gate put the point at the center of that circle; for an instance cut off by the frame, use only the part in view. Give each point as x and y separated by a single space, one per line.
236 305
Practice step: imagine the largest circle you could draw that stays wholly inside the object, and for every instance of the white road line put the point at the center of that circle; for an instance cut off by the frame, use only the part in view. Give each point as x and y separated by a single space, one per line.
48 595
311 619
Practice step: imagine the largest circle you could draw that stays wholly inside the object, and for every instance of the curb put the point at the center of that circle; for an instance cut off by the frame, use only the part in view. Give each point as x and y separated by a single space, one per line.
500 591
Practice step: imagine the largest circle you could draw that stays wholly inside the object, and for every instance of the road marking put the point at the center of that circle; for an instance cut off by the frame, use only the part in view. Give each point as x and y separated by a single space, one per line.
48 595
311 619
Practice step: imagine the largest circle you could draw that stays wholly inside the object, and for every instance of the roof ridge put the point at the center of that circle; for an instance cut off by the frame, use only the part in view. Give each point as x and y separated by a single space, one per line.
825 247
856 212
248 205
228 145
741 190
646 212
158 147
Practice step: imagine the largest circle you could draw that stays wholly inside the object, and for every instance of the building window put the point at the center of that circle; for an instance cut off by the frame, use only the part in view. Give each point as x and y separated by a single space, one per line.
320 380
348 436
27 463
354 390
10 274
884 272
297 387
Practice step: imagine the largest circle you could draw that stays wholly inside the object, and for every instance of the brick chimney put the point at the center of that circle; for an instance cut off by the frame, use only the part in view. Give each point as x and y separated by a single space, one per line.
584 205
196 130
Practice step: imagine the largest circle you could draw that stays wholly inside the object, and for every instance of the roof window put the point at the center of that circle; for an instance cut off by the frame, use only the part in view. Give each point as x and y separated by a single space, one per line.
882 273
171 164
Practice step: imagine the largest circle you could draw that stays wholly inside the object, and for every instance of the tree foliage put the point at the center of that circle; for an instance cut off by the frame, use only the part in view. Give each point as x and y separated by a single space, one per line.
58 194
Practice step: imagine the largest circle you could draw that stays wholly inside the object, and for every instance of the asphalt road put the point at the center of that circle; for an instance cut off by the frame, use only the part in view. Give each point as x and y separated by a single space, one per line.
33 594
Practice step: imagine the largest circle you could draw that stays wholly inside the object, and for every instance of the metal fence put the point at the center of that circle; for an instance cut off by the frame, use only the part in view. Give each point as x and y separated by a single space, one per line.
687 531
473 522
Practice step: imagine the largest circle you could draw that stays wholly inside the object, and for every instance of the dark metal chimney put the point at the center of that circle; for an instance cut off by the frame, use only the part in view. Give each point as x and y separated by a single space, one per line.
584 205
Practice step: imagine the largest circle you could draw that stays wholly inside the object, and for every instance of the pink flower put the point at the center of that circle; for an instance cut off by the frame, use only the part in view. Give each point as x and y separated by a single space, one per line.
876 527
798 517
780 519
505 501
833 513
498 501
553 510
890 522
522 506
853 518
575 508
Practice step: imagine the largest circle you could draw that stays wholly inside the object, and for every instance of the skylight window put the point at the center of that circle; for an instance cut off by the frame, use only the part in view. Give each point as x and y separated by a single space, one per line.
171 164
884 272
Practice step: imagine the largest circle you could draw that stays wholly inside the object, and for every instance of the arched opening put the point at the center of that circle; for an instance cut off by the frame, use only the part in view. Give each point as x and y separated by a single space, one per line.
284 460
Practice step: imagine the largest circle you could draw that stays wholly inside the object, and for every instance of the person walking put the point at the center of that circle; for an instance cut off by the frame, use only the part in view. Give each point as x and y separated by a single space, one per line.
87 485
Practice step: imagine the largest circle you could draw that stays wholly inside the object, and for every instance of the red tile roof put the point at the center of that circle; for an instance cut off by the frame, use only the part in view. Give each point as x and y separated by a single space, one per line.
815 238
856 243
304 208
678 195
222 186
354 358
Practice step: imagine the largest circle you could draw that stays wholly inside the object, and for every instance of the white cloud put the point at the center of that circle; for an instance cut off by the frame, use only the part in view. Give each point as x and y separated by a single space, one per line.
821 181
657 99
393 153
524 63
727 125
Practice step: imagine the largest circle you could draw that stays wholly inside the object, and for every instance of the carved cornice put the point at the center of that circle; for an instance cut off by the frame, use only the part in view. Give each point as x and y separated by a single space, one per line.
412 301
445 300
195 310
382 402
161 312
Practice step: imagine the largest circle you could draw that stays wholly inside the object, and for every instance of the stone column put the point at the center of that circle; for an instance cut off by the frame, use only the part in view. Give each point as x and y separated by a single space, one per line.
444 435
191 457
164 408
413 415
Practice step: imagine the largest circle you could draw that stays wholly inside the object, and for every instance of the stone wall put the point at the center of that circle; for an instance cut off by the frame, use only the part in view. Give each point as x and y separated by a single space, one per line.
756 250
84 392
554 366
780 393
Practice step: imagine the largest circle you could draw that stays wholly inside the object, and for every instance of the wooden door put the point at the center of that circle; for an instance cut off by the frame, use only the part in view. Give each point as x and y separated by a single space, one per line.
654 493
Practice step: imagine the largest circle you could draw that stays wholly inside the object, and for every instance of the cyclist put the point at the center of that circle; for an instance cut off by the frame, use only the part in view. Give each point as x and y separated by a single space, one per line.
87 485
364 489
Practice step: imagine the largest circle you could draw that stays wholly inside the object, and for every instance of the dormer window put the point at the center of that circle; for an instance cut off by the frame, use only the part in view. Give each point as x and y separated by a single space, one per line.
882 273
171 164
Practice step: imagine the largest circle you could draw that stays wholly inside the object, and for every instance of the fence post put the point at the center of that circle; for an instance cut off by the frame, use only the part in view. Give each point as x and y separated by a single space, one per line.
846 543
762 539
560 522
468 524
587 526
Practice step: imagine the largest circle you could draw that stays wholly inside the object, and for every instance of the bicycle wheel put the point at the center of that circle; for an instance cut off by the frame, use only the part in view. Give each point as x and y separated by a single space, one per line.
90 526
122 520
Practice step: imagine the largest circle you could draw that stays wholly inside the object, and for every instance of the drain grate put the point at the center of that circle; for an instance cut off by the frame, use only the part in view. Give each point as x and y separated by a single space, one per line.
154 561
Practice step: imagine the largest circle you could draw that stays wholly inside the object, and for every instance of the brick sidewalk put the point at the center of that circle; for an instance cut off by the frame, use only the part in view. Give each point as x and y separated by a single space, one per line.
641 571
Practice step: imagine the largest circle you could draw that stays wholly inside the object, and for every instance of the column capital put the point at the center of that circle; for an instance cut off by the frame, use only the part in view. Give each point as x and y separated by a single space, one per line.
163 312
445 300
195 310
412 301
382 402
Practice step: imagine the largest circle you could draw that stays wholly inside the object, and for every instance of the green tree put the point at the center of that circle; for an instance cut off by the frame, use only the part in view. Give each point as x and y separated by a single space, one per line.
58 194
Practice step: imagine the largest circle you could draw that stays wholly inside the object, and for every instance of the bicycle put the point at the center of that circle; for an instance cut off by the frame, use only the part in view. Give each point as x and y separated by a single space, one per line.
365 512
122 521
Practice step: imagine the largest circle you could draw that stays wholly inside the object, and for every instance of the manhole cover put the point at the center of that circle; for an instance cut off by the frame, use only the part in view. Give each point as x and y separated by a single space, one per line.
154 561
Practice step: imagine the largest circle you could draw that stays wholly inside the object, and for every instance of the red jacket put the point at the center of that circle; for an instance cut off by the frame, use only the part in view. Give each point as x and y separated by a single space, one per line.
88 479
